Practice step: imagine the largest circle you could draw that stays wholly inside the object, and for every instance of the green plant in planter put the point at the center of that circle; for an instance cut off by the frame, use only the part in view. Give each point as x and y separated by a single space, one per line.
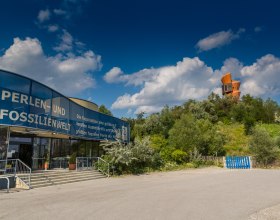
72 159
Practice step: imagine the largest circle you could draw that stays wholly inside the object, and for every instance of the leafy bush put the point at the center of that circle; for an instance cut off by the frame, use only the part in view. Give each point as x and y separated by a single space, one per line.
179 156
277 141
189 133
170 166
131 158
196 158
166 153
249 123
144 155
263 147
158 142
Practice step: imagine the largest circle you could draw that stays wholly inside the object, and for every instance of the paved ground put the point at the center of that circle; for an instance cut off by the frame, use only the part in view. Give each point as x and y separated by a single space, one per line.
210 193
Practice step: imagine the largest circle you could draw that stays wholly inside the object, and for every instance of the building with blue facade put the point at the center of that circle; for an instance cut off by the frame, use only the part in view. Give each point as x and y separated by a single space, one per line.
38 124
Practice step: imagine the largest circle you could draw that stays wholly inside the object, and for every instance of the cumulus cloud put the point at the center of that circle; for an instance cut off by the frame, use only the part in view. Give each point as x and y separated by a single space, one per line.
147 109
218 39
262 78
69 75
44 15
232 65
191 78
116 75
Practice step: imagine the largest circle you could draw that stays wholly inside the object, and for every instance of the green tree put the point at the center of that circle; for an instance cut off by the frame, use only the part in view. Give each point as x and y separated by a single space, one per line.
239 112
263 147
158 142
153 125
104 110
183 134
223 108
167 120
189 133
249 124
203 110
270 108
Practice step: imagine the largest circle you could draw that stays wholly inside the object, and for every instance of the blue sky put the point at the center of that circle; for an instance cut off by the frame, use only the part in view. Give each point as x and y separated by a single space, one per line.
137 56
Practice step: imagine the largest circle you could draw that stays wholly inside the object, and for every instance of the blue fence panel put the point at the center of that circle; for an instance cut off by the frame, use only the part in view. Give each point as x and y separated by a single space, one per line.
238 162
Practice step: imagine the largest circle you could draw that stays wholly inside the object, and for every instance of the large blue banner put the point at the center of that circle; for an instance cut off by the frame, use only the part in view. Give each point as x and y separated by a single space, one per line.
27 103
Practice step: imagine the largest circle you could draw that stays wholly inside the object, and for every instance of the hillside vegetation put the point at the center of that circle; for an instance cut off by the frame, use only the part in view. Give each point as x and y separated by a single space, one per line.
237 143
184 135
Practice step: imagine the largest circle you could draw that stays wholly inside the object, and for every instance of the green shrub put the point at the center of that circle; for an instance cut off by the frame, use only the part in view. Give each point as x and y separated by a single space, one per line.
168 166
137 157
166 154
249 123
190 165
277 141
263 147
158 142
179 156
196 158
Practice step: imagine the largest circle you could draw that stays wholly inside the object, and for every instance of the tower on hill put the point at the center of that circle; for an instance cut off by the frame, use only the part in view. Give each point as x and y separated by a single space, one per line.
230 87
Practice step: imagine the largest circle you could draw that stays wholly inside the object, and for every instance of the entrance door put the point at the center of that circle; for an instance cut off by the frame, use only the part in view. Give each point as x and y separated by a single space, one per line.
41 152
25 153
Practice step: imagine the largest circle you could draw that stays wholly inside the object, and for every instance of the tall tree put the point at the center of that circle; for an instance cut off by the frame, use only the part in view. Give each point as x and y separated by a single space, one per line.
102 108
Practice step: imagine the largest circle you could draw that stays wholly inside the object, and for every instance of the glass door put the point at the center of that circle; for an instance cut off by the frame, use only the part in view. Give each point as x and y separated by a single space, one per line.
41 152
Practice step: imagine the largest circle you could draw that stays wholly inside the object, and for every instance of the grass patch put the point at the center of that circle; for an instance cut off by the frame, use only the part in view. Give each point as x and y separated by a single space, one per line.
236 140
272 129
237 143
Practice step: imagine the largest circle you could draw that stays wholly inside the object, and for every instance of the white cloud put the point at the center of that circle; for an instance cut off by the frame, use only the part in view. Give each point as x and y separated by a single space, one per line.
66 43
232 65
188 79
44 15
69 75
218 40
116 75
53 28
147 109
191 78
262 78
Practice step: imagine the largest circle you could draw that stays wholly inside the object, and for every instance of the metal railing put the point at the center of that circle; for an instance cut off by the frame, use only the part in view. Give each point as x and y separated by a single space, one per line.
59 163
87 163
19 169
